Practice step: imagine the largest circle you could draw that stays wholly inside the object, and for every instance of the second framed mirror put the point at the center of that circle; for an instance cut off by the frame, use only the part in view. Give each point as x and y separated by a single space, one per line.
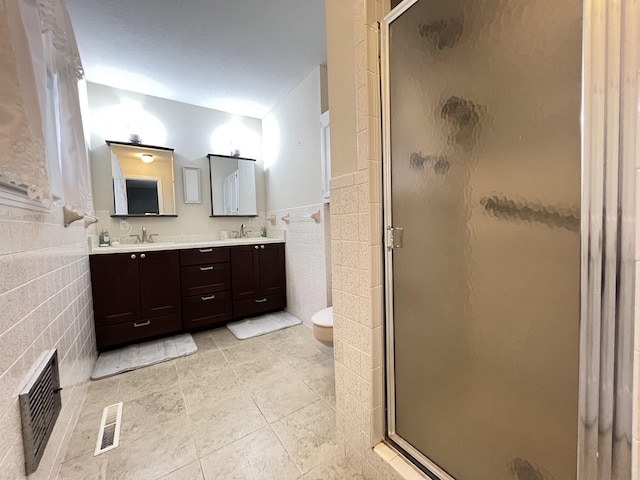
233 186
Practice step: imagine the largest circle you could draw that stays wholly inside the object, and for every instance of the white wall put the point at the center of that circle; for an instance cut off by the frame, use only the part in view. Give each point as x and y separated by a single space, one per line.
308 279
191 131
291 145
293 185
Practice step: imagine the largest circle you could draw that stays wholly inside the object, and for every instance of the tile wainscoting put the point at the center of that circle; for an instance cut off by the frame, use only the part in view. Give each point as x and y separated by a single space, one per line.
45 300
356 263
307 259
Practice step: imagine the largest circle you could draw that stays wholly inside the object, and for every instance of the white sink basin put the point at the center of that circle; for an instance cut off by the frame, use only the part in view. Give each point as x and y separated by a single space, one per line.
142 246
245 240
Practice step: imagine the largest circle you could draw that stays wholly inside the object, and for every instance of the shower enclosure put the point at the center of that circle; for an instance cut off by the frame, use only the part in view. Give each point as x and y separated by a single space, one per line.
489 219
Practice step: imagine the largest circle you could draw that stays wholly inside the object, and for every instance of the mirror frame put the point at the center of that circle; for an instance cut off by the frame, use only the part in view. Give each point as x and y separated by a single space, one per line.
209 156
143 147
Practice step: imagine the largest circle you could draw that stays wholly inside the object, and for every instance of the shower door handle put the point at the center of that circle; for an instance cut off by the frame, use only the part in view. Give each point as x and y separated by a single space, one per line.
395 238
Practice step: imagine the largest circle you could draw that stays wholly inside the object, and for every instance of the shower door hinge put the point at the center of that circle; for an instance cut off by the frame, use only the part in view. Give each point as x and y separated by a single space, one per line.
395 238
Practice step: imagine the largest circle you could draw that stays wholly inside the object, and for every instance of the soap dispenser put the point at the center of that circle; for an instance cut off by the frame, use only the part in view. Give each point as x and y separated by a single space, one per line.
104 239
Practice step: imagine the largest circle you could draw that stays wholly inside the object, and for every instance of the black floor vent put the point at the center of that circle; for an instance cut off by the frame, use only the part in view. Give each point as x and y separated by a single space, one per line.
40 405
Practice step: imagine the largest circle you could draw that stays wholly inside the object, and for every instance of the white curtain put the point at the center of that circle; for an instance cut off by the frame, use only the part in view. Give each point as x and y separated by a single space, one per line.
63 60
22 120
46 123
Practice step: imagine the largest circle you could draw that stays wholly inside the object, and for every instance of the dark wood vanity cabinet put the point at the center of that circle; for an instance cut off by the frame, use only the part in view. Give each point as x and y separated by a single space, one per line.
135 296
205 276
258 278
141 295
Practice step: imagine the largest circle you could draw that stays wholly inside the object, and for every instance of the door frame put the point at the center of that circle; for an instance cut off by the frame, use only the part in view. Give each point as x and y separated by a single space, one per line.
610 140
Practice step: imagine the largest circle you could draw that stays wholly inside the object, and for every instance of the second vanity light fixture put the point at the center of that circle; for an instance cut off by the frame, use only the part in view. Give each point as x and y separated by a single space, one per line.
147 158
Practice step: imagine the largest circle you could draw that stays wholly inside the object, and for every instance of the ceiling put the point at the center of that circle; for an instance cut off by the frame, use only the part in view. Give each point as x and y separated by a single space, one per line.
238 56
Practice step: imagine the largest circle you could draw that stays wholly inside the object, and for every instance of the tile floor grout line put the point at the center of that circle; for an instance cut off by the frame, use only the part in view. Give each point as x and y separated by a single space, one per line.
159 477
316 392
200 457
296 410
266 420
204 476
286 450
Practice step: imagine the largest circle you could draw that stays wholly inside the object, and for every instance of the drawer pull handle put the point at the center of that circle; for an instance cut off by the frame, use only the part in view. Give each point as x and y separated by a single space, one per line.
116 315
210 297
204 269
206 250
133 256
262 300
143 324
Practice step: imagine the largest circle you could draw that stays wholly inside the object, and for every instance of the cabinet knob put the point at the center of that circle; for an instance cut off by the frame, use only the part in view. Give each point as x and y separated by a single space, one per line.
133 256
255 246
262 247
142 255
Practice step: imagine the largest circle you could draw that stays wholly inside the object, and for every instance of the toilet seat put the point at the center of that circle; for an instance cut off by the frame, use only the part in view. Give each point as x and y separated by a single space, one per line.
323 318
323 325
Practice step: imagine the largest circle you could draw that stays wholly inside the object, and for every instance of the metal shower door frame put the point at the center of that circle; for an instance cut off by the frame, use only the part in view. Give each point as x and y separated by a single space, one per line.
610 145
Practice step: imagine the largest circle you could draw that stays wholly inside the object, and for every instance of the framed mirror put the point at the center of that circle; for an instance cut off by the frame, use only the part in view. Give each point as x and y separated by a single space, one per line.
233 186
143 180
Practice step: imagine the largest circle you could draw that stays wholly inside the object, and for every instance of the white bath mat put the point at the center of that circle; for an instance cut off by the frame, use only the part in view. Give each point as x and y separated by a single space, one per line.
143 354
270 322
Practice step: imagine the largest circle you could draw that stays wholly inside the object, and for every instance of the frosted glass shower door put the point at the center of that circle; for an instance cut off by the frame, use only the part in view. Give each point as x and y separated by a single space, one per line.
483 174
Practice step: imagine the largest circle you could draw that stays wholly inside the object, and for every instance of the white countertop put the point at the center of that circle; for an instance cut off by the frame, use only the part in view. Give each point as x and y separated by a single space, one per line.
150 247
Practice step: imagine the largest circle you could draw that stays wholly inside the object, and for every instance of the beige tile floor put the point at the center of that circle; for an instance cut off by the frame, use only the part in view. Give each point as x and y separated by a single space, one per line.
257 409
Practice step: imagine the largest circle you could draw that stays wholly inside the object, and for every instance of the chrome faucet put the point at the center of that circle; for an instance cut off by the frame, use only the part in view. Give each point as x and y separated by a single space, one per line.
145 238
244 233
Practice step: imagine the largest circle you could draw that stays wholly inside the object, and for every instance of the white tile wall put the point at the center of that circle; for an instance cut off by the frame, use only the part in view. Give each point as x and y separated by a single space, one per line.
45 302
356 244
308 279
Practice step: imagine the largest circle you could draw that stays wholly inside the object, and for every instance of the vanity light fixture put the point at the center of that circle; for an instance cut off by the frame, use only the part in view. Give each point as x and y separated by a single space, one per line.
147 158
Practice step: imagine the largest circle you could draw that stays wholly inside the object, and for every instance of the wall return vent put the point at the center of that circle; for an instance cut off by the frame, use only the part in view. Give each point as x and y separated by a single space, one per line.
40 405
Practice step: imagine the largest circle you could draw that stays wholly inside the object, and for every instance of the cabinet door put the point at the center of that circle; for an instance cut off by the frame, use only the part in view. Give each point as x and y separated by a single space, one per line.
272 269
116 291
245 272
159 283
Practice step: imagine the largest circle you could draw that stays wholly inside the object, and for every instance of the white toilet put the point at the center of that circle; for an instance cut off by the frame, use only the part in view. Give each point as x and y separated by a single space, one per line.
323 325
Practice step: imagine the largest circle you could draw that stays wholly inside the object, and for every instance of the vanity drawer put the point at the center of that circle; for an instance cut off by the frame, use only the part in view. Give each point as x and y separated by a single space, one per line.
258 305
206 309
138 330
201 279
204 256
